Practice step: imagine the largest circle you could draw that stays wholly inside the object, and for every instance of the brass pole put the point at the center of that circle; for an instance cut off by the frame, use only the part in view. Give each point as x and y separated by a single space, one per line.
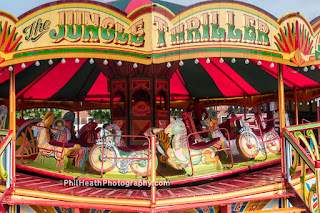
12 125
281 112
153 171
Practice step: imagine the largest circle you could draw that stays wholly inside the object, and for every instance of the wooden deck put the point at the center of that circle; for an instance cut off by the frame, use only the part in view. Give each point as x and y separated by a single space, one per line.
246 186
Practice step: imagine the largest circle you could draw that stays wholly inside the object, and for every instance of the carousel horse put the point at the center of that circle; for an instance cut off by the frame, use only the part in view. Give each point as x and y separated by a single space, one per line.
178 155
51 149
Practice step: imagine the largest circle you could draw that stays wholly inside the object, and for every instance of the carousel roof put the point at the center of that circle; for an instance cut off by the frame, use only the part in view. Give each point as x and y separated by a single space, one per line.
129 5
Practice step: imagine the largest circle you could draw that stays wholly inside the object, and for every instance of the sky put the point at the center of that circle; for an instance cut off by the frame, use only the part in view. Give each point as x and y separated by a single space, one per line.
309 8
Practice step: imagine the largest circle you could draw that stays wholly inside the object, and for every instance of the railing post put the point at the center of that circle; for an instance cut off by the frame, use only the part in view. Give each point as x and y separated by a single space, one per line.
282 112
317 168
8 165
153 171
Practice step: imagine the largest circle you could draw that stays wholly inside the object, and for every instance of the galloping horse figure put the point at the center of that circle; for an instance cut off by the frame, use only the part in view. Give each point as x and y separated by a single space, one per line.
179 154
202 152
43 138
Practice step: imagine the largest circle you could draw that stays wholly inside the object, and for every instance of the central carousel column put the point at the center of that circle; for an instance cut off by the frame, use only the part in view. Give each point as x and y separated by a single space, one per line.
139 96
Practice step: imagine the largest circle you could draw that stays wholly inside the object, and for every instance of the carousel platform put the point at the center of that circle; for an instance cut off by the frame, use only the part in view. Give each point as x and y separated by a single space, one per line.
263 184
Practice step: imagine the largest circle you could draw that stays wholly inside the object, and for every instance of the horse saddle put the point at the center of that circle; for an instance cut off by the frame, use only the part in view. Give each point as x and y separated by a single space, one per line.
60 144
203 144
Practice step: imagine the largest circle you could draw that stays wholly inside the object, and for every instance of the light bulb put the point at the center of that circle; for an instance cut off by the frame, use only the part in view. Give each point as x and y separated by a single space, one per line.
300 103
233 60
63 61
168 64
246 61
37 63
272 65
259 63
208 60
181 63
119 63
10 68
312 67
105 62
50 62
221 60
135 65
196 61
23 65
91 61
77 60
305 69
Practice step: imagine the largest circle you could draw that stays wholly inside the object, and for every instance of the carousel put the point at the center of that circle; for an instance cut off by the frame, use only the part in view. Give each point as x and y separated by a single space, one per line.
141 59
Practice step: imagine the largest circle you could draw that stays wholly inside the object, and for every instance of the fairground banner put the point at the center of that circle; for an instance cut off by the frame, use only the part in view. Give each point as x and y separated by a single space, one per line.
154 34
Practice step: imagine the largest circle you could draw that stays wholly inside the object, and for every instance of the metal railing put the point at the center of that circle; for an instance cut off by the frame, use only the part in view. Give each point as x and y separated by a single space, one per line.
128 158
6 164
300 138
262 134
218 150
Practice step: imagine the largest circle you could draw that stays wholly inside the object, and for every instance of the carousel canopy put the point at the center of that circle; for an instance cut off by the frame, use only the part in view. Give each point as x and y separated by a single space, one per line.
204 49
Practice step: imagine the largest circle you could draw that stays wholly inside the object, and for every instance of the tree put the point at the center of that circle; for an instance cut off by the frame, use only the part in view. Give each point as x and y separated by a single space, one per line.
102 115
235 110
38 113
175 112
213 113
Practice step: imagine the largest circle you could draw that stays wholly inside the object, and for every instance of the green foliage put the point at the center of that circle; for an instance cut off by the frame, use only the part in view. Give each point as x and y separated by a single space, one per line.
102 115
235 110
37 113
175 112
212 113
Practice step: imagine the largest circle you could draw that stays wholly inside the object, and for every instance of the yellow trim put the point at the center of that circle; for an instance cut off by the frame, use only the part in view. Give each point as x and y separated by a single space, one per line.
105 201
75 55
301 16
9 14
70 5
150 5
206 198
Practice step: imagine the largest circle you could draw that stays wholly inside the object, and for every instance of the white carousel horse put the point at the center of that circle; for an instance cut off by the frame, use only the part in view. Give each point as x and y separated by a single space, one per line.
43 138
178 153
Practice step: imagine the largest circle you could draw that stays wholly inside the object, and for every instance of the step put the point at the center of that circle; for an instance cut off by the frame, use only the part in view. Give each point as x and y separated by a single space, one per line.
284 210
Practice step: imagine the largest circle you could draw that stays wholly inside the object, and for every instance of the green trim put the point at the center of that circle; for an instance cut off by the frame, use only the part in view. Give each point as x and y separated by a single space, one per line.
2 148
144 56
305 126
4 132
81 50
217 49
294 145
